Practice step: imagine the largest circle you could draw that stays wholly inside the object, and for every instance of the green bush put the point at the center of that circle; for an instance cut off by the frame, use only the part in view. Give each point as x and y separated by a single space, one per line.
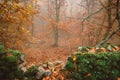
9 65
1 48
31 72
90 66
15 53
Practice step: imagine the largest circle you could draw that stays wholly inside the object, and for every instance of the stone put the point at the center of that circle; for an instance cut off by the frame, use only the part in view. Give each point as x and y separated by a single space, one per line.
24 69
22 61
47 73
58 63
40 72
50 64
44 65
79 48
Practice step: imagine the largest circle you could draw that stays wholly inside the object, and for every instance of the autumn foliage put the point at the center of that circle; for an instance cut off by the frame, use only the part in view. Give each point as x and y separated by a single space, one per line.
85 28
15 20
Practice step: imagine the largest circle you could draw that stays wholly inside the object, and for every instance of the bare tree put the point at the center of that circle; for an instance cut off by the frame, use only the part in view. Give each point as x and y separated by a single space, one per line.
55 6
112 17
116 4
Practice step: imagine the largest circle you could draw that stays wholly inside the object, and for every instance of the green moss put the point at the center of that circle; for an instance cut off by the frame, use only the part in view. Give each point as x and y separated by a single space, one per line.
9 65
101 66
15 53
70 66
31 72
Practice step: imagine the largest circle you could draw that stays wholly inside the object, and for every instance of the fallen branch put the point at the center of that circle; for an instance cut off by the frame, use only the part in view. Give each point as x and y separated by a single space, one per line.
108 37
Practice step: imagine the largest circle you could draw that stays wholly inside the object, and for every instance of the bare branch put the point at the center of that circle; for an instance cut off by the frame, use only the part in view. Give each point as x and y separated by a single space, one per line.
108 37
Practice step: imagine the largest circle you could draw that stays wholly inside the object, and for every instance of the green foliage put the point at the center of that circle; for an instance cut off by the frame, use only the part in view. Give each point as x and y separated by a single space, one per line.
19 74
70 66
90 66
31 72
15 53
12 60
1 48
9 65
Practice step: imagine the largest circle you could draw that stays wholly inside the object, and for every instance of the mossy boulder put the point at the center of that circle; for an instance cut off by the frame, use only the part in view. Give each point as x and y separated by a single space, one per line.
91 66
9 65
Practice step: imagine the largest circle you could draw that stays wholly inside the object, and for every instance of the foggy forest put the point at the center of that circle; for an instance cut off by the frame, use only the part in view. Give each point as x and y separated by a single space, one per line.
59 39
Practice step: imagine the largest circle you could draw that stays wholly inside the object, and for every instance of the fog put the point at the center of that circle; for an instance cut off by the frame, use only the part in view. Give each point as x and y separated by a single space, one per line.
71 9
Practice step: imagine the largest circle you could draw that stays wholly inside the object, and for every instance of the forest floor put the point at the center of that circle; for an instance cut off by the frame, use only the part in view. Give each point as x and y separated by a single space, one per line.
44 55
41 49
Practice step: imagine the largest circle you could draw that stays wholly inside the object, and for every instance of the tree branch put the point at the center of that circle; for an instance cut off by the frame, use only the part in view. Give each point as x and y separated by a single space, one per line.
108 37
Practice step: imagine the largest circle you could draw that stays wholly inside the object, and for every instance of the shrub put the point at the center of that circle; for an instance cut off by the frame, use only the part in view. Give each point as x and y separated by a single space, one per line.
31 72
15 53
9 65
90 66
1 48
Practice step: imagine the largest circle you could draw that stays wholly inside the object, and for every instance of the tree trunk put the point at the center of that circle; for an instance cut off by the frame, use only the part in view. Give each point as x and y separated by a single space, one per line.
32 20
109 14
55 28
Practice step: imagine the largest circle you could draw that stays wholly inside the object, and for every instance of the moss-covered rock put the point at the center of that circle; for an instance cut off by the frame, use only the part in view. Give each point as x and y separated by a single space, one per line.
9 65
90 66
31 72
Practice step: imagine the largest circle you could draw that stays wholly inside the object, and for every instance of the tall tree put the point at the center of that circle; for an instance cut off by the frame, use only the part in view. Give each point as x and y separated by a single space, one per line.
111 9
14 19
54 7
116 6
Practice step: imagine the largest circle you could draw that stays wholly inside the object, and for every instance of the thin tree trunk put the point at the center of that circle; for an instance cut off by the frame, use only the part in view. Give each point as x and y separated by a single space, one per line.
32 19
55 28
109 14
